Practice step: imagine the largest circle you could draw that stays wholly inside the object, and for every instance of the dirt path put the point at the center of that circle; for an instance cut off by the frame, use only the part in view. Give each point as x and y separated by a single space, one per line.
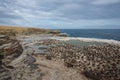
55 70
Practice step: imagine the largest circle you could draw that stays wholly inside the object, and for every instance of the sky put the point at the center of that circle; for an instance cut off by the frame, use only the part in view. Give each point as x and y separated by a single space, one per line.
61 14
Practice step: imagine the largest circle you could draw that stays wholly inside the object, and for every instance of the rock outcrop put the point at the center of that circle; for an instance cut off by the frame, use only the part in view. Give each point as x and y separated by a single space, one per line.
62 34
9 50
13 64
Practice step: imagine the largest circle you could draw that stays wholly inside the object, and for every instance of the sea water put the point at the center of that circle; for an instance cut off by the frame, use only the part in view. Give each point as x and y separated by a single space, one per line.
113 34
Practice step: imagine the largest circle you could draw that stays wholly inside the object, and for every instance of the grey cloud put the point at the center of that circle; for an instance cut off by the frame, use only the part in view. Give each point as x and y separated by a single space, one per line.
9 15
71 9
105 2
23 12
90 12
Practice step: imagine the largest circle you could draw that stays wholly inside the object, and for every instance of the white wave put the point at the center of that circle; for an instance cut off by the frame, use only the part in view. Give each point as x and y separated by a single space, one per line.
110 41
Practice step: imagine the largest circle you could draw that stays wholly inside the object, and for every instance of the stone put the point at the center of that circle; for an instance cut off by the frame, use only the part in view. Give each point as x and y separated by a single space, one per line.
30 60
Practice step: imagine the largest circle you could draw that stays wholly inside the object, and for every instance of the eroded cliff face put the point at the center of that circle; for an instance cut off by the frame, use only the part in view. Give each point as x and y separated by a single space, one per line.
9 50
24 69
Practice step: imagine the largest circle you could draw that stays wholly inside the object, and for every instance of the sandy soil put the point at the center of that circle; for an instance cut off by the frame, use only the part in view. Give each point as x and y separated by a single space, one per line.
55 70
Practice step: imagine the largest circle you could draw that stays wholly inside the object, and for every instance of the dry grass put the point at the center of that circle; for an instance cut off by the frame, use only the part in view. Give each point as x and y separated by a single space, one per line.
24 30
19 29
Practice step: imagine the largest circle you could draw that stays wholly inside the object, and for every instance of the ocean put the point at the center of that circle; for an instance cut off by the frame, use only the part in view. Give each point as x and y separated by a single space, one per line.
113 34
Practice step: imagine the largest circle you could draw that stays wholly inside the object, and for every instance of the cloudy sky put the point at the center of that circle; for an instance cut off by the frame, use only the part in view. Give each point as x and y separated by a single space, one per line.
61 13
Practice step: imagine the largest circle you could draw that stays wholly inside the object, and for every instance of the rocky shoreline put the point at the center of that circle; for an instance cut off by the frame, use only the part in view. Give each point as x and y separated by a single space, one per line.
30 58
96 62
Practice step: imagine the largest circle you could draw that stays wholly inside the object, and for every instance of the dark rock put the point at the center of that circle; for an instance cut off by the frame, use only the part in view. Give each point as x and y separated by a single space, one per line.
30 60
3 39
49 57
62 34
54 32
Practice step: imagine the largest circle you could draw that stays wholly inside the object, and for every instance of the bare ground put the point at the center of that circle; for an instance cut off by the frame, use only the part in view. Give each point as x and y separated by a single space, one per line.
55 70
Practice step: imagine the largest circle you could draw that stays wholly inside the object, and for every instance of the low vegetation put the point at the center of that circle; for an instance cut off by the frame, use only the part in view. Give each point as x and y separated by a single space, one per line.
12 30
